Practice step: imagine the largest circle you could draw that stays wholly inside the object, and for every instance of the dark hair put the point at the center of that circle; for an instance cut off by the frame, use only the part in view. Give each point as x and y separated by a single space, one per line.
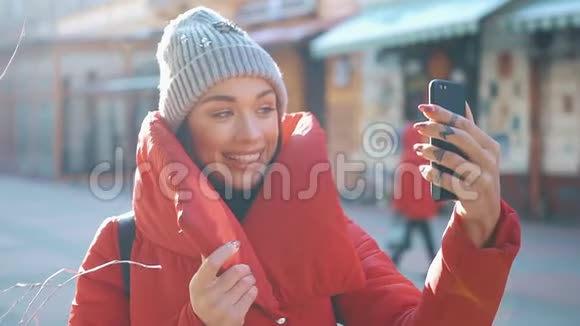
183 135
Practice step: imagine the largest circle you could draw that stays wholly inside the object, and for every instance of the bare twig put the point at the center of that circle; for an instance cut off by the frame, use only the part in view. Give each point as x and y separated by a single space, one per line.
20 285
30 287
40 290
22 32
51 294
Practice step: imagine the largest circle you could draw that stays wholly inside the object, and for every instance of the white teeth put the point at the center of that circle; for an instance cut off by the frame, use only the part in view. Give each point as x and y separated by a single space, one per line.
244 158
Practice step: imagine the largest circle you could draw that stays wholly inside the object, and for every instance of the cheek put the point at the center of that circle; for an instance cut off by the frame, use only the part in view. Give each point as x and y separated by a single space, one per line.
271 135
207 143
272 129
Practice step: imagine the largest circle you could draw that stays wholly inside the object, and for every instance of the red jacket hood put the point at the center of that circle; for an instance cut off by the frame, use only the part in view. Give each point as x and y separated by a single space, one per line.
294 236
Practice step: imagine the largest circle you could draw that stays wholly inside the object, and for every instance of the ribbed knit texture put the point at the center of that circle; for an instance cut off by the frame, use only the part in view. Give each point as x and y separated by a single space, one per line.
201 48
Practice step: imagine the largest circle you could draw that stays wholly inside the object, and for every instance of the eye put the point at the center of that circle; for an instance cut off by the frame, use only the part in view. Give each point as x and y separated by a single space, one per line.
221 115
266 110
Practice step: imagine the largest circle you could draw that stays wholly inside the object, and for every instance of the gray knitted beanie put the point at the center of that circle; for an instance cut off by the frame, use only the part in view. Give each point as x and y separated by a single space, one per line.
201 48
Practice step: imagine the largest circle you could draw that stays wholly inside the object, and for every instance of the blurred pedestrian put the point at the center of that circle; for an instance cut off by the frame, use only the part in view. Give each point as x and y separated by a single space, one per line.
411 200
225 201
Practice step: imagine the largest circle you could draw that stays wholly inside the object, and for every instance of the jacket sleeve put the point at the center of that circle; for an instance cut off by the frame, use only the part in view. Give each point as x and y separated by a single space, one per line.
464 285
100 295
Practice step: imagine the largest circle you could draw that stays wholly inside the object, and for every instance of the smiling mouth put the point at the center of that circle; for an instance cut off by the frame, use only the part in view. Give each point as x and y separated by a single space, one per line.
244 158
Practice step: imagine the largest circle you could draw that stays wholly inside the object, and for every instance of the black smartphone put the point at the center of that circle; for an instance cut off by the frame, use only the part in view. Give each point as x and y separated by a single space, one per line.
451 96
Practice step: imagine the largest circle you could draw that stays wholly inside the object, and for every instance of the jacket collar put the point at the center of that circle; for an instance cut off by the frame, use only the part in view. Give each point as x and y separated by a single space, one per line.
294 236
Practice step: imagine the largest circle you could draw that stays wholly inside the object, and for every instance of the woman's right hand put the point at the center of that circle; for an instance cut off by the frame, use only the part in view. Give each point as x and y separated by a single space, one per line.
225 299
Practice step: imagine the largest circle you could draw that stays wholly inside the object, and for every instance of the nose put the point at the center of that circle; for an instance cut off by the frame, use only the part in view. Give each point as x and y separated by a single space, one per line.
249 129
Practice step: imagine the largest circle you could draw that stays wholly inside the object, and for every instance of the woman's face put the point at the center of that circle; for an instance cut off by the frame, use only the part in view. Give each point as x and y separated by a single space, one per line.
234 131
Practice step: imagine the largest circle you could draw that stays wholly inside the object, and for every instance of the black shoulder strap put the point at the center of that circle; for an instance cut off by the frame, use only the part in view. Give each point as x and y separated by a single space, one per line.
126 237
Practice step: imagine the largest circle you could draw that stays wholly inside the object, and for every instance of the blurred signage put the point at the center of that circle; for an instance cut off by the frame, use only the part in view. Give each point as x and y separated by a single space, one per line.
265 11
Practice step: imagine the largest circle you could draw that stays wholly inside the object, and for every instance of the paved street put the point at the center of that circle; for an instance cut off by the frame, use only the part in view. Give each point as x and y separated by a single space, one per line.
544 285
45 227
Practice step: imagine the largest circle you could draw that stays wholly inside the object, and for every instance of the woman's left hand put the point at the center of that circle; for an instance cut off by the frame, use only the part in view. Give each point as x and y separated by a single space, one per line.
476 180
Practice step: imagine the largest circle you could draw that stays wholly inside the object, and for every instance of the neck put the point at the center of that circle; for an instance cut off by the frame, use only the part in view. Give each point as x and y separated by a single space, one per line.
238 200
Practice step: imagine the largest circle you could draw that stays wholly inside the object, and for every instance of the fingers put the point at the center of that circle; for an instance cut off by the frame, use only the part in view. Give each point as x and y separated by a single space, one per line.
247 300
461 183
239 289
224 299
448 159
490 143
233 275
211 265
443 116
238 298
458 137
468 113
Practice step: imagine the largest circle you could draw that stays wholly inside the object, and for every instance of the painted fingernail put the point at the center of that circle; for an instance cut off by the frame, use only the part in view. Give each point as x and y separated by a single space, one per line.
426 108
235 244
423 169
418 147
420 125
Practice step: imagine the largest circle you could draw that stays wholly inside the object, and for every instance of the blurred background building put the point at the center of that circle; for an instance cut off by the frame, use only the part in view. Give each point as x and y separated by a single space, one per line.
85 76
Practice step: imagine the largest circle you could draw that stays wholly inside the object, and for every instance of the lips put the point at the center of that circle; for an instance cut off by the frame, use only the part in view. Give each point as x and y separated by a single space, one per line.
244 158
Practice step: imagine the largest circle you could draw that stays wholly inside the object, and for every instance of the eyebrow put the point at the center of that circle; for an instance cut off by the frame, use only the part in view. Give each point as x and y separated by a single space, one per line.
226 98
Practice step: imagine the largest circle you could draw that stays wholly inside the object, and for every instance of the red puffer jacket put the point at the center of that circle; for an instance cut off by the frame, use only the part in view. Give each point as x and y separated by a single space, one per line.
312 264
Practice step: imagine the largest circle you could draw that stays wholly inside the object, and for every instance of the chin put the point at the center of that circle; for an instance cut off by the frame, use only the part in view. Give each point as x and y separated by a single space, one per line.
246 181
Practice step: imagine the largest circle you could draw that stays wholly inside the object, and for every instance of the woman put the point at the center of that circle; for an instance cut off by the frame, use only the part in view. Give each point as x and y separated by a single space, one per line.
237 248
412 195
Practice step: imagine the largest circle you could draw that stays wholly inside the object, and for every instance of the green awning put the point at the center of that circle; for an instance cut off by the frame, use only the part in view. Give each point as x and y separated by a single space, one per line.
403 23
544 15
